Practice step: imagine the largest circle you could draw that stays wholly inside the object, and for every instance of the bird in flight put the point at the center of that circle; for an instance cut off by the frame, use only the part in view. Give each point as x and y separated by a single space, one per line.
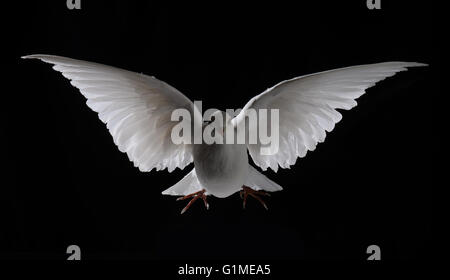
137 110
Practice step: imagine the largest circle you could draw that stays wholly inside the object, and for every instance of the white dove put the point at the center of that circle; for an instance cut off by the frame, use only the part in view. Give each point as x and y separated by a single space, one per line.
137 108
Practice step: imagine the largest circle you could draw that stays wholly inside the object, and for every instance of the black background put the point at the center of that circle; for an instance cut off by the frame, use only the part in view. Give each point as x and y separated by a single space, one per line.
369 183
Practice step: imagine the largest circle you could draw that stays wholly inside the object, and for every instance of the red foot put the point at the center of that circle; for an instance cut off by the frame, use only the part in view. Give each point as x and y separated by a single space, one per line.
249 191
194 196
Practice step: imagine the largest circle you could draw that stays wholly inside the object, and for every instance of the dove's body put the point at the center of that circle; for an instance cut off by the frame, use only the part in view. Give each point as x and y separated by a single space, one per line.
221 169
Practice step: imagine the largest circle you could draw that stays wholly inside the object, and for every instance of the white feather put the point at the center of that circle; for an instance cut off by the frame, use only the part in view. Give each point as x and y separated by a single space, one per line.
135 107
189 184
258 181
307 107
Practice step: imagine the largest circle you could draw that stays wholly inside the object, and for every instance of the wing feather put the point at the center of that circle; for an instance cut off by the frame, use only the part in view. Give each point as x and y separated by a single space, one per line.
308 107
136 109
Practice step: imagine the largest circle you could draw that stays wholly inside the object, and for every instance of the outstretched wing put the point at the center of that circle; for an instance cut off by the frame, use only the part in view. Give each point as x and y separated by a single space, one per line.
307 107
136 109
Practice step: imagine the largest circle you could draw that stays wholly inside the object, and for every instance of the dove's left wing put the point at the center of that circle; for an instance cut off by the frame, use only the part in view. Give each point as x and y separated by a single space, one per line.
307 107
135 107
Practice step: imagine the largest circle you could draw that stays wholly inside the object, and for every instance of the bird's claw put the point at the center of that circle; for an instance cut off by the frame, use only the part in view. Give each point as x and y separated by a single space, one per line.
194 196
249 191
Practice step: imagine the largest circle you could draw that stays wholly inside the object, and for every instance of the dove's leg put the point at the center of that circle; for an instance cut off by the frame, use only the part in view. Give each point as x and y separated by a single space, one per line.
249 191
194 196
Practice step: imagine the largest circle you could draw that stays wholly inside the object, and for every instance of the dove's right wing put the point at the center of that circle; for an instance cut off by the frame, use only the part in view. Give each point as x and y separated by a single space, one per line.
308 107
135 107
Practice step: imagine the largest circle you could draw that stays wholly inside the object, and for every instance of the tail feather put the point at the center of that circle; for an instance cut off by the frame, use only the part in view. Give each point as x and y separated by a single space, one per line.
259 181
189 184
